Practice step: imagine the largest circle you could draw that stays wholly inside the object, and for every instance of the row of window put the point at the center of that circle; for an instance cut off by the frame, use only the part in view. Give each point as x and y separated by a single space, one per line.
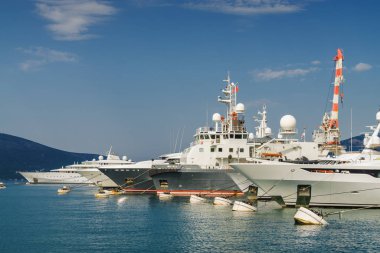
225 136
212 149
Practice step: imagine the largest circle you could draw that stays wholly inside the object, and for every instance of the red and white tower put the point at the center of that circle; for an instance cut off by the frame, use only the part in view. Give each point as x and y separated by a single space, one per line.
328 135
338 80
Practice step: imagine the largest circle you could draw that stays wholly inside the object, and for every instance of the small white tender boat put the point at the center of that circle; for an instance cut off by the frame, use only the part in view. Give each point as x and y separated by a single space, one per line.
218 201
2 185
196 199
65 189
243 207
305 216
102 194
165 196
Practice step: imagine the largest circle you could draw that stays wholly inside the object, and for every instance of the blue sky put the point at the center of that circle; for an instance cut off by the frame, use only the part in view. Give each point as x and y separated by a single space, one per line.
83 75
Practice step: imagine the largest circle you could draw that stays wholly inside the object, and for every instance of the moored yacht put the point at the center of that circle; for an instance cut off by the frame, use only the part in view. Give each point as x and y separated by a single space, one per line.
70 175
204 167
134 177
350 179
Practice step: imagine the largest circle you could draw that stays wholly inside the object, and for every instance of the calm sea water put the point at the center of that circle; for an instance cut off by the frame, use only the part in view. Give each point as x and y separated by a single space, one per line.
33 218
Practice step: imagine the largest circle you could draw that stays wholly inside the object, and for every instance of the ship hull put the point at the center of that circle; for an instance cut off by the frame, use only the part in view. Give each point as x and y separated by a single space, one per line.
328 189
186 182
96 177
131 180
54 178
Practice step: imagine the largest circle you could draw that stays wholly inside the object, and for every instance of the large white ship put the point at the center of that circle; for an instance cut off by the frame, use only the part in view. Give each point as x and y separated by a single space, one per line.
70 175
351 179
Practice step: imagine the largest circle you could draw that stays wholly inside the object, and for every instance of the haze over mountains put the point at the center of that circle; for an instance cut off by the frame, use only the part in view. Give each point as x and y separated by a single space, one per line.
19 154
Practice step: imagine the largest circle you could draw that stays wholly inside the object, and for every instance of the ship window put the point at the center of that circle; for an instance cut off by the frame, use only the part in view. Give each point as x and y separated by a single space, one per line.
231 136
231 150
245 136
220 150
212 150
238 136
242 150
207 137
225 136
201 149
213 136
202 137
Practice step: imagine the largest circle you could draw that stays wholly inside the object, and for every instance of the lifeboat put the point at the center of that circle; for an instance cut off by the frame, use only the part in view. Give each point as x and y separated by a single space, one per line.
243 207
65 189
102 194
218 201
165 196
305 216
197 199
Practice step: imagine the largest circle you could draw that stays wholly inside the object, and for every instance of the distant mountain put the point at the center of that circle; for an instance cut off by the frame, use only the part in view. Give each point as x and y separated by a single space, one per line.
357 143
18 154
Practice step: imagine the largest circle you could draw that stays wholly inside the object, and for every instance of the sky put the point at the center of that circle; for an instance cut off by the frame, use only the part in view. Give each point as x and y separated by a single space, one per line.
82 75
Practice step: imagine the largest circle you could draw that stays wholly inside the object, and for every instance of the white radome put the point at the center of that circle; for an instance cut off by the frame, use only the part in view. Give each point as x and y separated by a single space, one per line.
125 158
268 131
251 136
288 122
240 108
378 116
216 117
101 157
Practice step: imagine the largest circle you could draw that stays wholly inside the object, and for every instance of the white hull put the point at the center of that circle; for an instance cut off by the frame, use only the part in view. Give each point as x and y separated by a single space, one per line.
305 216
54 178
165 196
327 189
218 201
243 207
96 177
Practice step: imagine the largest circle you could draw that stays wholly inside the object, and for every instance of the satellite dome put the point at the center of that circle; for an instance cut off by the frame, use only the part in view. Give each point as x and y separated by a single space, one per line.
240 108
101 157
251 136
125 158
378 116
268 131
216 117
288 123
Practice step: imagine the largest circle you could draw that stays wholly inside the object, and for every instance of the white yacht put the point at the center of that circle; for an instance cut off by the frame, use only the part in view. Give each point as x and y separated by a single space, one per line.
2 185
70 175
349 179
204 167
352 179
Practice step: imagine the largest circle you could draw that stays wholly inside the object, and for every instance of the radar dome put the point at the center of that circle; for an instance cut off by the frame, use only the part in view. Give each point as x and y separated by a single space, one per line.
378 116
288 123
101 157
216 117
240 108
251 136
125 158
268 131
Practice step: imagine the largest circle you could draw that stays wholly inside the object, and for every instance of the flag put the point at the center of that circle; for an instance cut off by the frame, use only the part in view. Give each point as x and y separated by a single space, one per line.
235 89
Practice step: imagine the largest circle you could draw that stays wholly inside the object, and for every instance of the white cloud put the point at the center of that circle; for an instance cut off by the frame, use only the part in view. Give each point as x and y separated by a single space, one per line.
360 67
40 56
71 19
316 62
270 74
245 7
